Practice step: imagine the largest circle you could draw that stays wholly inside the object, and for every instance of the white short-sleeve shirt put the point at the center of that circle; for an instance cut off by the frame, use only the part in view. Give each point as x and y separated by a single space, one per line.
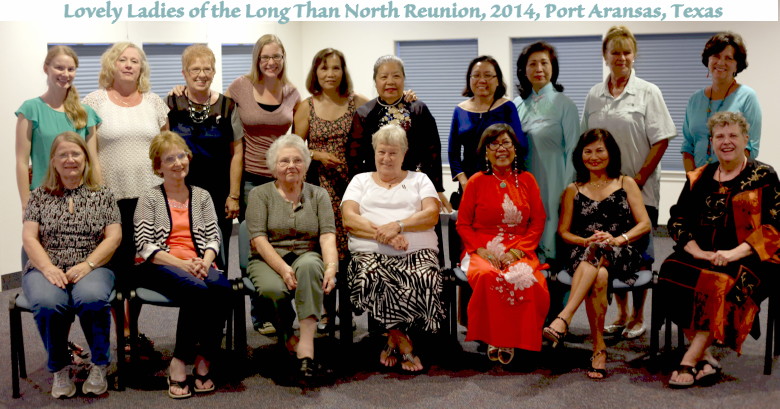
381 206
637 119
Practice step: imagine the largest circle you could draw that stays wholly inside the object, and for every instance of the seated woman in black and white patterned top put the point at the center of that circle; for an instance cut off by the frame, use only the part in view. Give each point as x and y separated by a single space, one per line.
71 230
390 215
176 233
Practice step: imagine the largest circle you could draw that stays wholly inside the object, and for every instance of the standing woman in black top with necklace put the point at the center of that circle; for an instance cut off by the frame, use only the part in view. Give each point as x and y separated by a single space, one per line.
209 123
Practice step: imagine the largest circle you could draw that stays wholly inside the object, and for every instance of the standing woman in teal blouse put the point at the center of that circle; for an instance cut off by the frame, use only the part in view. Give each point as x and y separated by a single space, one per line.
41 119
725 56
551 122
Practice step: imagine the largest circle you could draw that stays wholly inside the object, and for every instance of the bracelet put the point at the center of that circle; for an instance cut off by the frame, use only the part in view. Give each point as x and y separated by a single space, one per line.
517 253
625 237
234 197
400 223
329 265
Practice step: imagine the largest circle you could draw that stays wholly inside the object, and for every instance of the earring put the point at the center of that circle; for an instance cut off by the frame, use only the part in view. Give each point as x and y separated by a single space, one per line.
487 165
514 164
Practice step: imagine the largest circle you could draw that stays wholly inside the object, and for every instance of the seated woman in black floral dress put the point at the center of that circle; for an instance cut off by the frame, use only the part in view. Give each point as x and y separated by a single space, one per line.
726 225
602 213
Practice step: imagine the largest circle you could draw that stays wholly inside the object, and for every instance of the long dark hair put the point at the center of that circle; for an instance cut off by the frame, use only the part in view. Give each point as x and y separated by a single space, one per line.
587 138
525 86
492 133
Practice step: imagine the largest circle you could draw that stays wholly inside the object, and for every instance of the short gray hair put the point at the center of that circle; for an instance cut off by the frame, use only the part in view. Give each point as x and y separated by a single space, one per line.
388 59
287 141
725 118
391 134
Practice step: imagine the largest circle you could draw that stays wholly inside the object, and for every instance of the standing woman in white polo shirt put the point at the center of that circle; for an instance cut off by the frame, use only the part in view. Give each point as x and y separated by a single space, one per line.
634 112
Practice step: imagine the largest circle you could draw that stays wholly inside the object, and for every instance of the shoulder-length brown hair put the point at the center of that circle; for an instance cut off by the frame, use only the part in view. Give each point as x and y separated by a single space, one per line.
313 83
52 182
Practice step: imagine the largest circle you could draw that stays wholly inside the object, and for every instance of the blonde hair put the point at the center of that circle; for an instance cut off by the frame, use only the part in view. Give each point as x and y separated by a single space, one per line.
618 33
52 182
162 142
254 74
108 66
390 134
196 51
726 118
72 104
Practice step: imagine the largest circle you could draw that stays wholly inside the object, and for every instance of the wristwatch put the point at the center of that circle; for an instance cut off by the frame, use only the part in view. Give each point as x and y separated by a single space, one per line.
91 265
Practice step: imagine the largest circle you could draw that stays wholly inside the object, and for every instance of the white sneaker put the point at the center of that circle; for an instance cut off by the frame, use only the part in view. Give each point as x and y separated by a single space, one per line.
96 383
62 386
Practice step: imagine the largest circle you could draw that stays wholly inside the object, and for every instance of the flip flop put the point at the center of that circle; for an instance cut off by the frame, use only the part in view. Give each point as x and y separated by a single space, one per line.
388 351
203 379
683 369
178 384
708 378
413 359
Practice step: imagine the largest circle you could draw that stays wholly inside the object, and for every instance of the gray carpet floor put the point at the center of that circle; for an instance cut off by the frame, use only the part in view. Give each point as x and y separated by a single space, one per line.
458 377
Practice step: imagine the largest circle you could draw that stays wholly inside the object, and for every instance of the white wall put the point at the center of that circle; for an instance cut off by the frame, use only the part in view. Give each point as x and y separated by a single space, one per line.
25 47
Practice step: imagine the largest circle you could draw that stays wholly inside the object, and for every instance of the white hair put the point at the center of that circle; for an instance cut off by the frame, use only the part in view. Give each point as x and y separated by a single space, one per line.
287 141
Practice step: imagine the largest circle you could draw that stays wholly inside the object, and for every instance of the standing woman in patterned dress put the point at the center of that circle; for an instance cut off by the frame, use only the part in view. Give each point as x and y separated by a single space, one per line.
325 120
132 115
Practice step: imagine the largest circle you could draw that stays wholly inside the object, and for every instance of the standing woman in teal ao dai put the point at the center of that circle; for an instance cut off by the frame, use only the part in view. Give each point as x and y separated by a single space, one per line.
551 123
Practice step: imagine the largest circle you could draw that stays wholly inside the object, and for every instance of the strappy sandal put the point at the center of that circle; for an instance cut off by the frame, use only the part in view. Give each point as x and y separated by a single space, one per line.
683 369
203 379
555 337
506 355
601 372
492 353
389 352
708 379
178 384
412 359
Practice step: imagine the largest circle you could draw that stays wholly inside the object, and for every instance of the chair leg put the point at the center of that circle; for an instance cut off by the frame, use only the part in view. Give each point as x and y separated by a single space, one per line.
15 327
770 327
656 318
119 312
239 325
133 324
774 305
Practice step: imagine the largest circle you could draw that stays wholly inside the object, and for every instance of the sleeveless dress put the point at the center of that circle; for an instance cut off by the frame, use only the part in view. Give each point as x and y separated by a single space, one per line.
613 215
331 137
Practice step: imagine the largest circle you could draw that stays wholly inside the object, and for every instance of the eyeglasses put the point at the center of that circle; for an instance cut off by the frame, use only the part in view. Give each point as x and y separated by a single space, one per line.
285 162
493 146
275 57
197 71
170 160
483 76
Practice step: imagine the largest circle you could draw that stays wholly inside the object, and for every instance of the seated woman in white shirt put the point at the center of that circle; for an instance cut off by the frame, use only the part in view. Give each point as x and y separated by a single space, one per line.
394 274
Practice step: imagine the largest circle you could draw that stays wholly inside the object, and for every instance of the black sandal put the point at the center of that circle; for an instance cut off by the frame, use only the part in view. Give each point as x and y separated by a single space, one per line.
178 384
555 336
707 379
684 369
598 371
203 379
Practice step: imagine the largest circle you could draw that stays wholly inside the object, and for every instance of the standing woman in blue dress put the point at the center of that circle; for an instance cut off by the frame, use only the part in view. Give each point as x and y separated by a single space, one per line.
485 88
551 123
725 56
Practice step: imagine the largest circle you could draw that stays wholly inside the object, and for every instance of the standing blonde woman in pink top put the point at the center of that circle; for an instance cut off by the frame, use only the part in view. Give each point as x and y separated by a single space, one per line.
266 102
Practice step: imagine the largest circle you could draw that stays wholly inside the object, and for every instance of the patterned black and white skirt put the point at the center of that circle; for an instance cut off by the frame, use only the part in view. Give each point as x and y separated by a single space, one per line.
401 292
